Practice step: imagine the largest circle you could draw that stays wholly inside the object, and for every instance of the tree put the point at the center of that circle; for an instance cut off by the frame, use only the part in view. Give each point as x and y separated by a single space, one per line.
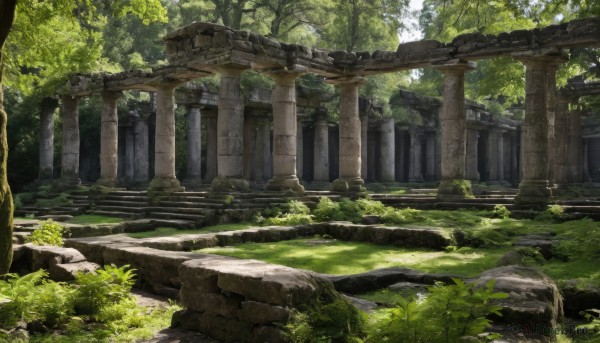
35 15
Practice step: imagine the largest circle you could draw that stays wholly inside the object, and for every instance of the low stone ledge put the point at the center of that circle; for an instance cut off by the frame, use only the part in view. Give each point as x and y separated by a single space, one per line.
67 271
43 256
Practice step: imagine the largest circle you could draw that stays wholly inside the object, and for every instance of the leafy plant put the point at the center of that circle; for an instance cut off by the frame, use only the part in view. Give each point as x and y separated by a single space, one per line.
105 287
298 213
61 200
371 207
500 211
49 233
553 212
326 210
401 216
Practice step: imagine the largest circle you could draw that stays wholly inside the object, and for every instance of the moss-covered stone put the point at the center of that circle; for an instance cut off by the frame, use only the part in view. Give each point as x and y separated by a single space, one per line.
354 187
454 190
162 186
222 184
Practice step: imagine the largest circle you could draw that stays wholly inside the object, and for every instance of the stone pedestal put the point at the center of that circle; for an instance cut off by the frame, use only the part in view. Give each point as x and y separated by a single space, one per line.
211 145
471 171
262 155
415 171
534 188
284 133
69 173
453 185
46 136
194 147
141 164
109 139
164 180
350 180
574 153
230 142
321 154
388 150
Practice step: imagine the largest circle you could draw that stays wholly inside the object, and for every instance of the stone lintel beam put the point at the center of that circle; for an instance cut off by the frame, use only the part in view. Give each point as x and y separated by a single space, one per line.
453 184
285 131
164 180
534 188
109 139
230 130
350 178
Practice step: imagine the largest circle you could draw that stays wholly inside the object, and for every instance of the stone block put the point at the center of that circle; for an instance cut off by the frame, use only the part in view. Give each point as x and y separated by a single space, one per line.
67 271
218 327
43 256
261 313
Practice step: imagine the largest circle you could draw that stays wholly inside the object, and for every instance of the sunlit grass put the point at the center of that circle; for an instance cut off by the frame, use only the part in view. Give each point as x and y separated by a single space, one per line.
94 219
169 231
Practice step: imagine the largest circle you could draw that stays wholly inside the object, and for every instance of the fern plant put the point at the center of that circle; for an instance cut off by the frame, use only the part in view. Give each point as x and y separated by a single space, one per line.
105 287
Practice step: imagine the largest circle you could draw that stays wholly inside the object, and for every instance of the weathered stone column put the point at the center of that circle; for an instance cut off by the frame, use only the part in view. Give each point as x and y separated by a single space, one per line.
561 132
586 159
388 150
141 164
284 133
165 179
574 145
321 153
194 147
471 172
500 153
262 155
514 157
249 145
129 154
534 188
211 145
454 130
551 109
230 141
350 180
109 139
415 172
69 173
364 133
299 147
47 108
430 157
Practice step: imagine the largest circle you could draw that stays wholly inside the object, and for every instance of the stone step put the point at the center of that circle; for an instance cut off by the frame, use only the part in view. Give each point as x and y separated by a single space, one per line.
139 198
192 198
135 193
194 194
183 210
582 209
189 204
457 205
121 209
78 197
122 203
169 215
116 214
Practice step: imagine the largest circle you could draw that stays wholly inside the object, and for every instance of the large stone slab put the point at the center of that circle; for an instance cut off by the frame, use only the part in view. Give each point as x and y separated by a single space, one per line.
43 256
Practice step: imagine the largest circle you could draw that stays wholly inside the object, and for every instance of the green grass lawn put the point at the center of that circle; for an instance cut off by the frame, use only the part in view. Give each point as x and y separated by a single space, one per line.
337 257
169 231
94 219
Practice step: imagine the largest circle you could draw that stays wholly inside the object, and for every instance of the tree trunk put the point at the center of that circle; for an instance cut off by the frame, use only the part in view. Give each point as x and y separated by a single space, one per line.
7 14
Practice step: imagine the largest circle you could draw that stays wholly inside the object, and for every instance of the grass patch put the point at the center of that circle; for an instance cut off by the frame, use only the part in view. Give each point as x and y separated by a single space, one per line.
94 219
169 231
389 297
336 257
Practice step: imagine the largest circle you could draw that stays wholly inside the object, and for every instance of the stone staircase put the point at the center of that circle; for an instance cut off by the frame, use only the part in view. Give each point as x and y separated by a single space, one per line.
79 204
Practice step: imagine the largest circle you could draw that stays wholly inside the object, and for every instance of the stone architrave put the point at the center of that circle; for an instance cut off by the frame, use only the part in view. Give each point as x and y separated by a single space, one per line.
388 150
534 188
46 171
69 173
109 139
165 180
230 134
350 180
574 154
284 132
321 153
211 145
194 146
141 164
415 171
471 171
453 184
561 132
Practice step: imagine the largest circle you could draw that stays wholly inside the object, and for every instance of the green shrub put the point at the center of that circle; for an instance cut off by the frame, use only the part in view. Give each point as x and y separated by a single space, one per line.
371 207
61 200
447 314
49 233
553 212
349 211
297 213
105 287
326 210
500 211
402 216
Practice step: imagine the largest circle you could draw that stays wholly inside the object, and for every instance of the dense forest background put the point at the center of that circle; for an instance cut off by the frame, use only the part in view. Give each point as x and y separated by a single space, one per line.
46 45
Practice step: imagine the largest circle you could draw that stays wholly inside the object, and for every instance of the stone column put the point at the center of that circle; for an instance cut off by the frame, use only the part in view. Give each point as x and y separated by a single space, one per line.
574 153
164 142
551 109
586 159
46 136
364 133
561 132
249 145
230 141
194 146
299 148
514 157
109 139
415 172
141 164
129 154
454 130
500 153
69 173
262 155
388 150
321 153
350 180
430 157
211 145
534 188
471 172
284 133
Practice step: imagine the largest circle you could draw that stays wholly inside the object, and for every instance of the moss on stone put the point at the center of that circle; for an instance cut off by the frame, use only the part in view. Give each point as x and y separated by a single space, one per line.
454 189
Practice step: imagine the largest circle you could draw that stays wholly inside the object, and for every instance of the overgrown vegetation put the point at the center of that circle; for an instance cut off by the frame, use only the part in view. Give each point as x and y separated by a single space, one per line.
48 233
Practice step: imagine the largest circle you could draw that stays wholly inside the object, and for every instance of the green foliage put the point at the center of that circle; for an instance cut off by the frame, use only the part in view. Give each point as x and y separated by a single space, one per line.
447 314
94 219
61 200
402 216
371 207
500 211
297 213
553 212
48 233
97 291
326 210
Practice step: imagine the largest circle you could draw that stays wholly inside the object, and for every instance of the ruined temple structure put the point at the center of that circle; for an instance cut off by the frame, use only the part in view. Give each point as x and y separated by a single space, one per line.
242 150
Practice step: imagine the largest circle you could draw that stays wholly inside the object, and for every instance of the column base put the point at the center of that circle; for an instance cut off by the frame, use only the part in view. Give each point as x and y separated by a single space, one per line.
161 184
534 192
193 183
227 184
455 189
319 185
351 186
65 184
106 182
280 184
